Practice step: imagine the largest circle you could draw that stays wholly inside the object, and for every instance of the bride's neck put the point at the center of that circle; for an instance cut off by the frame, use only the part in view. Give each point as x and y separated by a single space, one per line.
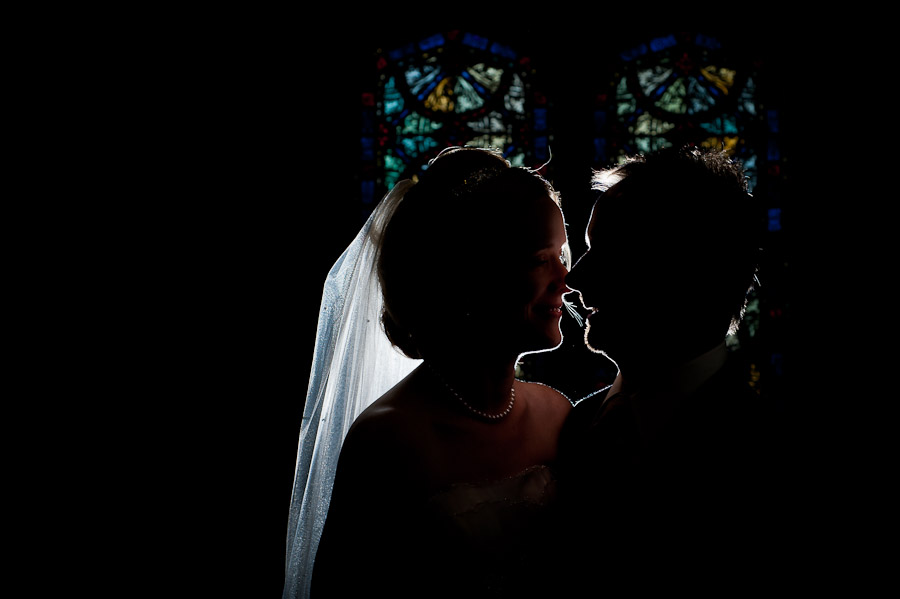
482 380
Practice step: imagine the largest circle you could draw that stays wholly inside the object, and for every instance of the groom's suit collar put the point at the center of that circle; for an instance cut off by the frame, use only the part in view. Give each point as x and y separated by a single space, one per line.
657 397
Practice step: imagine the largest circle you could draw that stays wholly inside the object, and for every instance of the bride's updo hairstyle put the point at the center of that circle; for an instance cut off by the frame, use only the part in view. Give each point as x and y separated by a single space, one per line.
451 237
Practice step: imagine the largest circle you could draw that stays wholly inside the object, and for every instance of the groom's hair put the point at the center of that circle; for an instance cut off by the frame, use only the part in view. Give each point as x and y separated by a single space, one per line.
694 204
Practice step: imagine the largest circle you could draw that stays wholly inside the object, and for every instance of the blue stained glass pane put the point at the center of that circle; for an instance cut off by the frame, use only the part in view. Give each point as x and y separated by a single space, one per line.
661 43
427 90
774 153
423 85
707 42
368 122
368 148
777 361
502 50
402 51
772 118
600 150
475 41
540 148
432 42
774 219
540 119
628 55
367 190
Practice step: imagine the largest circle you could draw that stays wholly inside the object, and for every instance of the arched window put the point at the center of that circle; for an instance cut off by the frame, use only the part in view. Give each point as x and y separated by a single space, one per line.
684 88
692 88
454 88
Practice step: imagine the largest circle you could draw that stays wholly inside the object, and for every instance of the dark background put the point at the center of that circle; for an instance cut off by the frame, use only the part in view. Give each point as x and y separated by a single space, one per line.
257 195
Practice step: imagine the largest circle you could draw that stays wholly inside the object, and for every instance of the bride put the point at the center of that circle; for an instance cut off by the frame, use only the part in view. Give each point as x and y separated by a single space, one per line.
443 483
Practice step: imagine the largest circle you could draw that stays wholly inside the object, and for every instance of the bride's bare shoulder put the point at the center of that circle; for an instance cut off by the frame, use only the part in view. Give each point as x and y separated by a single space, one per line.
389 418
548 395
546 404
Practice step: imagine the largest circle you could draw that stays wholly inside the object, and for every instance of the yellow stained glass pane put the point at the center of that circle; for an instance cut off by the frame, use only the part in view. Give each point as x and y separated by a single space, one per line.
441 98
722 78
729 143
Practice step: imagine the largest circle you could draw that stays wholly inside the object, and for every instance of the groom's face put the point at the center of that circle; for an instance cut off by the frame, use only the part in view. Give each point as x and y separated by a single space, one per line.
614 277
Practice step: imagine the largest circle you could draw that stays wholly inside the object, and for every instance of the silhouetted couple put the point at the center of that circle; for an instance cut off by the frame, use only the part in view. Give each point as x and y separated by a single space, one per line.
461 479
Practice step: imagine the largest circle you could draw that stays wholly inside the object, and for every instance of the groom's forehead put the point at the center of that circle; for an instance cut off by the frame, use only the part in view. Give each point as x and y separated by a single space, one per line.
607 212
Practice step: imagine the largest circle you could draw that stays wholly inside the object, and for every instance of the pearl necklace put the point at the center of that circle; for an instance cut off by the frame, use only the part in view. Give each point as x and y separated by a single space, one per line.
476 411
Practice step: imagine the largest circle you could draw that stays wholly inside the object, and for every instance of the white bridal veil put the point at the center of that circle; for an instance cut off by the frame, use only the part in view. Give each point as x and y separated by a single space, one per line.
353 364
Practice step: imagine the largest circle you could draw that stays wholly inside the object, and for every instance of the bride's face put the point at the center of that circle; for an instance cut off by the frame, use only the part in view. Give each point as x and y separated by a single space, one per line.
532 282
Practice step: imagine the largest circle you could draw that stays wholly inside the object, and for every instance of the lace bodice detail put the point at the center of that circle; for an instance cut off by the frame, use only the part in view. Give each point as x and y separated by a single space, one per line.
494 531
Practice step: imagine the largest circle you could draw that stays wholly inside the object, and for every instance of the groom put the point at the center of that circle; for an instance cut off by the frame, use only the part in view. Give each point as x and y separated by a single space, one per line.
670 471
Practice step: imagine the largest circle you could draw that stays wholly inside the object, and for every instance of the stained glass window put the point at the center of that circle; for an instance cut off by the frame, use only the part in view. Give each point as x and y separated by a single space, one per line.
454 88
683 88
692 88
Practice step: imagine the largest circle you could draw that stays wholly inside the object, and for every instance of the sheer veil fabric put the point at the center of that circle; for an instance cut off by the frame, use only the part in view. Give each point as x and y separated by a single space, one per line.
353 365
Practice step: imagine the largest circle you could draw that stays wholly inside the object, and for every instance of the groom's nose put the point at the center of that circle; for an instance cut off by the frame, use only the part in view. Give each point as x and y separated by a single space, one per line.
575 276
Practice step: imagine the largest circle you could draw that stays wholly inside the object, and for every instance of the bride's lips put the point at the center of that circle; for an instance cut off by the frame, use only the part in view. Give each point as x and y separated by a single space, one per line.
550 310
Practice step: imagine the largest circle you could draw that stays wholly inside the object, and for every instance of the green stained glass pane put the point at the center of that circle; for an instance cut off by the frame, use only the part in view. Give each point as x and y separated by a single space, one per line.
747 101
393 101
651 143
490 123
724 125
489 77
674 98
416 124
649 79
417 144
750 170
437 92
466 97
626 104
516 159
751 316
514 100
700 98
393 167
489 140
648 125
